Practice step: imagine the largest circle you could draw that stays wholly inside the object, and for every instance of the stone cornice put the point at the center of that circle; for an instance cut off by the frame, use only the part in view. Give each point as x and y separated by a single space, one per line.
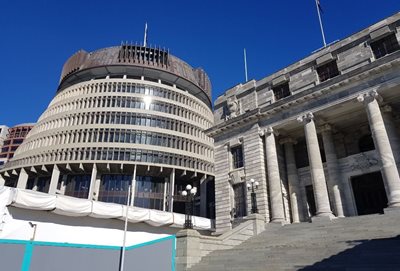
303 97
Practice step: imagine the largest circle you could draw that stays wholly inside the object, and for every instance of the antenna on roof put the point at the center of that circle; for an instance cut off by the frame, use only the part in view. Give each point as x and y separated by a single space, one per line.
145 35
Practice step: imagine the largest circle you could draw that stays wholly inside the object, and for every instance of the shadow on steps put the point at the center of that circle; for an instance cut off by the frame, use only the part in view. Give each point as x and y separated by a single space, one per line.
365 255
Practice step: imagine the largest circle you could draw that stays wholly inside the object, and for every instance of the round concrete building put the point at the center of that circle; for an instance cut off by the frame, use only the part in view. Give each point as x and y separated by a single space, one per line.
123 115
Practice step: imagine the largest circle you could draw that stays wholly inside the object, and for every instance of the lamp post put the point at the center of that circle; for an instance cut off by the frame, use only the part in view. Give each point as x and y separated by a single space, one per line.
189 196
252 186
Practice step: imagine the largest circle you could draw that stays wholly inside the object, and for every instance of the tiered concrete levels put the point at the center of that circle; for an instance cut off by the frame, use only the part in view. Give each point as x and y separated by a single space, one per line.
123 115
368 242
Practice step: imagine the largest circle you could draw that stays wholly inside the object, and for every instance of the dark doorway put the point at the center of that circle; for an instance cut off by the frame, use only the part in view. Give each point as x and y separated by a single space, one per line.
369 193
240 200
211 199
312 209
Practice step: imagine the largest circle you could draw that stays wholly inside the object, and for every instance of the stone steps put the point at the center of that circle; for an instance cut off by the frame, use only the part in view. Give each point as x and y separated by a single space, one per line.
358 243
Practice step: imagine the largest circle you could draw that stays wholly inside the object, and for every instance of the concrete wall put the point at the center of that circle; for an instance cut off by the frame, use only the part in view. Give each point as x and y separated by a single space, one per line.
46 256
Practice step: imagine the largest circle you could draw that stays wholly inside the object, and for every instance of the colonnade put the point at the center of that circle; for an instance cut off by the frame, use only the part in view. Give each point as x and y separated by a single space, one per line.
335 186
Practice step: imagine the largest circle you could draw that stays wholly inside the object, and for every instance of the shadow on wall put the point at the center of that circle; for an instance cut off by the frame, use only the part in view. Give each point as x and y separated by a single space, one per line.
375 254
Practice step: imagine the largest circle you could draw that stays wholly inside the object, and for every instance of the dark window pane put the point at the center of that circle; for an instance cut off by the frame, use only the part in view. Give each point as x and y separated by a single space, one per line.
327 71
237 156
281 91
384 46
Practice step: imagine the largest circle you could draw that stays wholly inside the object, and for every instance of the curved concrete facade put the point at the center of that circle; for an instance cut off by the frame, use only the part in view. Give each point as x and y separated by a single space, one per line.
109 126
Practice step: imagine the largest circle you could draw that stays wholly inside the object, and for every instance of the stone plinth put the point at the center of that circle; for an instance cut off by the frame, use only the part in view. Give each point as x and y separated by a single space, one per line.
187 249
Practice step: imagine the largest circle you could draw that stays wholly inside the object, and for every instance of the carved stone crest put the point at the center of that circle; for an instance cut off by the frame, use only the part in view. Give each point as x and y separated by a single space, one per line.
236 177
232 107
363 162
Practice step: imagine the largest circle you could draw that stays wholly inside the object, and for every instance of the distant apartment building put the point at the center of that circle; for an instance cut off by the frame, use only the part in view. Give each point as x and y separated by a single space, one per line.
11 138
3 137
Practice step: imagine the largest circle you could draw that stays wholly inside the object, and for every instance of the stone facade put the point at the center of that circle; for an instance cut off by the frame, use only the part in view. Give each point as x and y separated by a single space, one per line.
320 136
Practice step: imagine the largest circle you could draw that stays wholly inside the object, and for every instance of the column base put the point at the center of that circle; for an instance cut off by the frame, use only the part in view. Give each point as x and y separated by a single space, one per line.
394 205
322 219
392 210
278 221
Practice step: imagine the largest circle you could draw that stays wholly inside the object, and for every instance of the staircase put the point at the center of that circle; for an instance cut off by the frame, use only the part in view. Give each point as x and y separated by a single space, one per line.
370 242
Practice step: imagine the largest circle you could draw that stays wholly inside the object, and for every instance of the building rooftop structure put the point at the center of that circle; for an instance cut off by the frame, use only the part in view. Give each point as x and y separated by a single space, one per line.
136 61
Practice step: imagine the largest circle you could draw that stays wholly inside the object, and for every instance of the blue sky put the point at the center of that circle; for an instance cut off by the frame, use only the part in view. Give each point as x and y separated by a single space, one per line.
38 36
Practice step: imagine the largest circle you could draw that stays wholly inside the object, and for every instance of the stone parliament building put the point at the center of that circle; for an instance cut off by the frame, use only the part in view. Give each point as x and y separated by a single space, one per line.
321 136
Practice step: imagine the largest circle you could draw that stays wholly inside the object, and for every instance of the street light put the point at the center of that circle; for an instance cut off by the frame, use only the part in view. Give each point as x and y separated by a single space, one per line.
252 186
188 194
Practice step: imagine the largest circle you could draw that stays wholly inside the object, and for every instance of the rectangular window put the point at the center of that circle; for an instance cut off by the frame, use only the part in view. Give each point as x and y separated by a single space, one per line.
385 46
327 71
237 156
281 91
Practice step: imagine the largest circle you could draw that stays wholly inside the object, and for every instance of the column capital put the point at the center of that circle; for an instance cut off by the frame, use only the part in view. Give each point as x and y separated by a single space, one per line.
287 140
369 97
268 131
307 117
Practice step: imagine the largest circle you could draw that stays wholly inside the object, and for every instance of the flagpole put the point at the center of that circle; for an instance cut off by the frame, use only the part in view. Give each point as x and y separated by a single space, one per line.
145 35
320 22
245 64
125 230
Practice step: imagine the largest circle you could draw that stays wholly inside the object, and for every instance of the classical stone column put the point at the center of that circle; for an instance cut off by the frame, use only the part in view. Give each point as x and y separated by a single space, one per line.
293 180
274 180
394 138
316 167
335 184
382 144
54 180
22 179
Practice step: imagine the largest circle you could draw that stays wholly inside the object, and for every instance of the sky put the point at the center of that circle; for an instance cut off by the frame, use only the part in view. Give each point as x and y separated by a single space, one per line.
37 37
